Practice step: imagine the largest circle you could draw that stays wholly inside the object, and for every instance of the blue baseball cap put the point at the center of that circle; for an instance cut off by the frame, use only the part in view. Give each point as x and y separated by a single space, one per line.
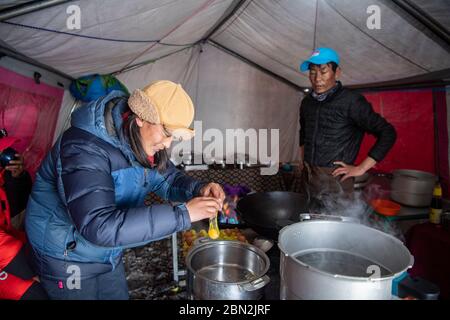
320 56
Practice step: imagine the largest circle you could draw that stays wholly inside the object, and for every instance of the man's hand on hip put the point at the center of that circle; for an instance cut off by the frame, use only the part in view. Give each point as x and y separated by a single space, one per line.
347 171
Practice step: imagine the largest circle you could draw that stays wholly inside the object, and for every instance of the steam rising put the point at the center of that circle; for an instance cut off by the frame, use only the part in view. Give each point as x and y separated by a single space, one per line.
355 206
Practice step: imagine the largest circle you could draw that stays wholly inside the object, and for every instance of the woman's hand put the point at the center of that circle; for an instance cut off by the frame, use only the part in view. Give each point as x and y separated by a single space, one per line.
213 190
203 207
16 166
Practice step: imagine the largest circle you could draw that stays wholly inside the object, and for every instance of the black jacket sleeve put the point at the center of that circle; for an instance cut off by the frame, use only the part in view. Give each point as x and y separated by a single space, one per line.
363 115
17 191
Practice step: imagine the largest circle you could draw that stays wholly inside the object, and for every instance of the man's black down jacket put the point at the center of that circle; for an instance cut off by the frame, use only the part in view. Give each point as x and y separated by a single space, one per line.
333 129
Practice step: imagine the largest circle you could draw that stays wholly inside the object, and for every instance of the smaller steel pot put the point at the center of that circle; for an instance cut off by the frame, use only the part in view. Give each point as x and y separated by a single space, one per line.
412 187
226 270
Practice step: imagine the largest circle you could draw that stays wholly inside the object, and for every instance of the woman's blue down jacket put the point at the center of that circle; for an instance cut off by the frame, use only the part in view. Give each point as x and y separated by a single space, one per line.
87 203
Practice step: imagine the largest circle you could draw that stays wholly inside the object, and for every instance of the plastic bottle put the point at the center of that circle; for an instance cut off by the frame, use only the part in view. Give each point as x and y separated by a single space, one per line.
436 205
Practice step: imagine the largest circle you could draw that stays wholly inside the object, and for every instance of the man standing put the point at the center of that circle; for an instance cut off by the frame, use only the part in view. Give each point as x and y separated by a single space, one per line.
333 122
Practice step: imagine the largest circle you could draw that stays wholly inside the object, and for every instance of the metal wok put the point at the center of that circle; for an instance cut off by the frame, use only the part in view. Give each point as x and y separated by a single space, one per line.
267 212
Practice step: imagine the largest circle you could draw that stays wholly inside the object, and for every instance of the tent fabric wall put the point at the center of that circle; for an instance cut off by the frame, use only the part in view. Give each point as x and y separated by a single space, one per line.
180 67
233 95
228 93
29 112
447 90
28 71
442 163
415 115
50 79
411 113
179 23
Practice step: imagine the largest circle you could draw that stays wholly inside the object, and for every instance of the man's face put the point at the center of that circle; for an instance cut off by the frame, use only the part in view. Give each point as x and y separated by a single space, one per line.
322 77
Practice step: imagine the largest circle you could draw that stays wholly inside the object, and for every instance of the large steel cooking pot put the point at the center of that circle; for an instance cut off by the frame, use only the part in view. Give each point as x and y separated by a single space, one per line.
226 270
339 260
412 187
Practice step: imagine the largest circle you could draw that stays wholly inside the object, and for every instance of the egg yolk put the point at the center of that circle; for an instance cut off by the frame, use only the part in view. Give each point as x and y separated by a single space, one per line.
213 234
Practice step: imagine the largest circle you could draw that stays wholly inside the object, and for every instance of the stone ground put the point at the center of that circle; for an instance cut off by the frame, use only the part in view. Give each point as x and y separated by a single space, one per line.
149 271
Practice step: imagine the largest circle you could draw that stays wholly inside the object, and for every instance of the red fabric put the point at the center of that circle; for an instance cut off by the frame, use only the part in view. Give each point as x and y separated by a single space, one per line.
11 240
29 111
7 142
430 246
411 113
12 287
9 248
126 115
442 154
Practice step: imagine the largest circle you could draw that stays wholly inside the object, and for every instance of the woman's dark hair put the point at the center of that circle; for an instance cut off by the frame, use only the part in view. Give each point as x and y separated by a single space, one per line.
131 131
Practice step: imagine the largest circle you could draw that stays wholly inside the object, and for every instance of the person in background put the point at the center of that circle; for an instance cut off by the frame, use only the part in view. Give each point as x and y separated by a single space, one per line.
17 280
333 121
88 198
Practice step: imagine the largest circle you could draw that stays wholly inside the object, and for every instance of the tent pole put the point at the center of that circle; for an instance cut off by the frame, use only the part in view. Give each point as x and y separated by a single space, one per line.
255 65
28 8
18 56
143 63
436 137
406 87
235 6
432 79
426 20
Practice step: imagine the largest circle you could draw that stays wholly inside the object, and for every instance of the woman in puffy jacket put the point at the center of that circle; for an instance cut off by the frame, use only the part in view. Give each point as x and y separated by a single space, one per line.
87 203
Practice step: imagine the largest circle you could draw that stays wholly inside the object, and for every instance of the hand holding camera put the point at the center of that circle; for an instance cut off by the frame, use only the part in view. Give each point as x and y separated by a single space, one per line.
12 161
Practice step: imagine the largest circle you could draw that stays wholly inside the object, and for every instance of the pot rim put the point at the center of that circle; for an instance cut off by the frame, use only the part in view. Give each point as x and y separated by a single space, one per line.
213 243
332 275
422 175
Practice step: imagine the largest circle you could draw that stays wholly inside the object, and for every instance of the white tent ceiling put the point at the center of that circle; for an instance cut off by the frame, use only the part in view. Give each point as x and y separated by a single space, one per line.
274 34
230 55
279 34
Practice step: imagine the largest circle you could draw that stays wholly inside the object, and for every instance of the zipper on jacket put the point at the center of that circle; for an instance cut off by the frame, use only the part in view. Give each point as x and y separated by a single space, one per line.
316 128
69 247
145 177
